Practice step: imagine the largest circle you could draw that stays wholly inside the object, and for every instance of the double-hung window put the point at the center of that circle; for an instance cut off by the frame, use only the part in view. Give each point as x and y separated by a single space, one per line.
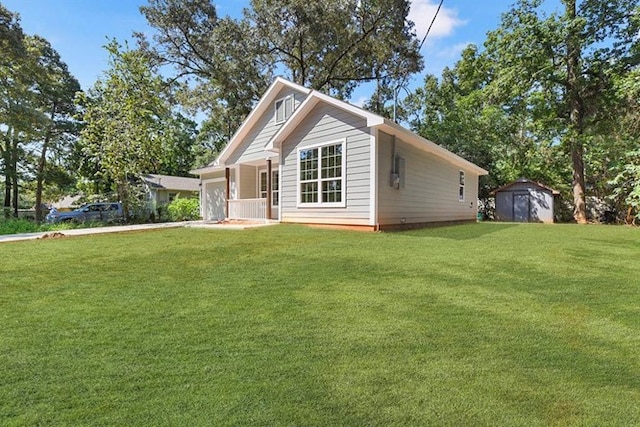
284 108
321 175
461 187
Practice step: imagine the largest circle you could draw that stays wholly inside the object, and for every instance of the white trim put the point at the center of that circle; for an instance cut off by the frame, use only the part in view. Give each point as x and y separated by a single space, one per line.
463 185
307 105
206 181
343 191
274 168
280 186
373 177
284 108
263 105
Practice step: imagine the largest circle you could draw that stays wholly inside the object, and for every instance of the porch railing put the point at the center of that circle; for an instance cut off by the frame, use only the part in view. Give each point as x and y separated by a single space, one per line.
248 209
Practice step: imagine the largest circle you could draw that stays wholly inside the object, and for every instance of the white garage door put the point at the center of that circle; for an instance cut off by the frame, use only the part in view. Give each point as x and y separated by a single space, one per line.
214 203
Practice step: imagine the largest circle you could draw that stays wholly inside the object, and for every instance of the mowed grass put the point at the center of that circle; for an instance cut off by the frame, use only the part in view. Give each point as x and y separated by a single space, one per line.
483 324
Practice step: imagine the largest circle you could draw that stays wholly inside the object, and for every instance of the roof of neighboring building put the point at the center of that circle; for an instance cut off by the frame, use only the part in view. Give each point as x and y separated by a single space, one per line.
168 182
525 181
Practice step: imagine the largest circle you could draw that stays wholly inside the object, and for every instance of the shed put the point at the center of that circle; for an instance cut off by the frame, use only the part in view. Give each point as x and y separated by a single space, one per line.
524 200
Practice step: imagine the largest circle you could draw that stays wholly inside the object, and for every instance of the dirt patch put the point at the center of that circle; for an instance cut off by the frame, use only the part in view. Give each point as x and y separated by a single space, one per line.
54 235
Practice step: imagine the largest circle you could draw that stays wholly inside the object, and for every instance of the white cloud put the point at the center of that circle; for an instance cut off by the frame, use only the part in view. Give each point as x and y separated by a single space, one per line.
422 13
454 51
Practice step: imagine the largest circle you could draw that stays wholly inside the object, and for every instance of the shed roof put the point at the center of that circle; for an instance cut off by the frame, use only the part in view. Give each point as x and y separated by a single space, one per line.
168 182
525 181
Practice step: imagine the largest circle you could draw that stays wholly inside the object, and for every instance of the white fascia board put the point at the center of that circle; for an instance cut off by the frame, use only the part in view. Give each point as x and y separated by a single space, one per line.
206 169
261 107
305 108
431 147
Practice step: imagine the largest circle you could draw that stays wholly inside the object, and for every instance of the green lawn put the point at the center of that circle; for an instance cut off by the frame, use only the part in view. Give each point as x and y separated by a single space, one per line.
485 324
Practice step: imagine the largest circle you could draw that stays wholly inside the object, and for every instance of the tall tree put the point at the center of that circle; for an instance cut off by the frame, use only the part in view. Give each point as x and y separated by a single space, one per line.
13 91
55 90
226 64
123 119
561 65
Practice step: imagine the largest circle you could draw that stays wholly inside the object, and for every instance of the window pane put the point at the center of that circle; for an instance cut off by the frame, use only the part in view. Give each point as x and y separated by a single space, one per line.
288 107
279 111
332 161
309 192
332 191
461 178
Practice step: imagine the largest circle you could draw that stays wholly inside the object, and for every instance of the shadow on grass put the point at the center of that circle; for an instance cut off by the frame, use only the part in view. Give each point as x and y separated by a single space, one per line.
459 232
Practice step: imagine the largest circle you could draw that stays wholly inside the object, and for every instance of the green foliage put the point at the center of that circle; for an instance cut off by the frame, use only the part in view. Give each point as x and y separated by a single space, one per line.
124 116
478 325
184 210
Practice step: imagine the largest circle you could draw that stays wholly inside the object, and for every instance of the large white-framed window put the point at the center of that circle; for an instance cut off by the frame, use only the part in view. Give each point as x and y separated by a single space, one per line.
275 193
321 175
283 108
461 186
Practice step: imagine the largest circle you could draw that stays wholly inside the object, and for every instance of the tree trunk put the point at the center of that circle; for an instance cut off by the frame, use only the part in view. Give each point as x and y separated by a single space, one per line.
14 175
6 157
575 114
42 163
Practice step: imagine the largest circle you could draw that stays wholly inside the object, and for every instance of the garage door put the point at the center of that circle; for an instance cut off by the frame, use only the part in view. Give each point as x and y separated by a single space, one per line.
214 203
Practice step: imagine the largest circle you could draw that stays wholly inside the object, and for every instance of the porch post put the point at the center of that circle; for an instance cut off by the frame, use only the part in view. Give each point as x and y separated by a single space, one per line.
228 191
268 189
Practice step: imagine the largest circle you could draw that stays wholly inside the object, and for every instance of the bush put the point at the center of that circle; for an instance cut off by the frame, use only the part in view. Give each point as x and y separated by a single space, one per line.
184 210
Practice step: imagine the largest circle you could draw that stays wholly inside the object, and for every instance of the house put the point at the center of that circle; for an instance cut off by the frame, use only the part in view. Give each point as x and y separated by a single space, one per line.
163 189
304 157
524 200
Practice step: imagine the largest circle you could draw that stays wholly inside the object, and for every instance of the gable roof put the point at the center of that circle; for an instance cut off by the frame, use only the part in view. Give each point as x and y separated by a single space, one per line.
374 121
312 99
525 181
168 182
261 107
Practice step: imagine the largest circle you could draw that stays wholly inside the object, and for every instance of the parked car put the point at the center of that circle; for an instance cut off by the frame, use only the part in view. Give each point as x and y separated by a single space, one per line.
103 212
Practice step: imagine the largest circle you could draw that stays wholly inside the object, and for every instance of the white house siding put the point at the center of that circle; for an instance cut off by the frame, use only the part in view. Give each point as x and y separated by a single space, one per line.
252 147
326 124
430 190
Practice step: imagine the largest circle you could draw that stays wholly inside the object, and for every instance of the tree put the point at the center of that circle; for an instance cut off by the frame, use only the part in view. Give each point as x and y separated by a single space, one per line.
13 90
217 60
225 65
55 90
123 119
562 67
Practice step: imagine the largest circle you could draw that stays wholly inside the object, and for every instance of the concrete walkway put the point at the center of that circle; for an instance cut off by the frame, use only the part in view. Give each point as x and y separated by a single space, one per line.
125 228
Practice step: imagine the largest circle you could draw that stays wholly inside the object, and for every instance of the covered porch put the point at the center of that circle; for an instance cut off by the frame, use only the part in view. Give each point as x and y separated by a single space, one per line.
247 191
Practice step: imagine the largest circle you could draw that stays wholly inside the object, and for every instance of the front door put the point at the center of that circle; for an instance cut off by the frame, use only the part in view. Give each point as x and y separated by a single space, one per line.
521 207
275 193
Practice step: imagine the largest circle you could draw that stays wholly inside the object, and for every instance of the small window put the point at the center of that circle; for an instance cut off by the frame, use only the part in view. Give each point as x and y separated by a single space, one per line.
284 108
461 187
172 196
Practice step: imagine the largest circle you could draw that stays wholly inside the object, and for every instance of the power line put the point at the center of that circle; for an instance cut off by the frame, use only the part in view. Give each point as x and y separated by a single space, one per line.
431 25
404 79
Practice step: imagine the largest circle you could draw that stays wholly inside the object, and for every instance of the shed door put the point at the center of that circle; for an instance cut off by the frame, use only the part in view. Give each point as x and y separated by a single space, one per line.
215 201
521 207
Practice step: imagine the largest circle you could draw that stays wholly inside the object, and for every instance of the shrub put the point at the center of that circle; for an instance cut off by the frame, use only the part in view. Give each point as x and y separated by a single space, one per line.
184 210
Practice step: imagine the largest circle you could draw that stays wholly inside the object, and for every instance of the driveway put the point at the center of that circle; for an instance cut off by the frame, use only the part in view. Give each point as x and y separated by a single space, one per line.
124 228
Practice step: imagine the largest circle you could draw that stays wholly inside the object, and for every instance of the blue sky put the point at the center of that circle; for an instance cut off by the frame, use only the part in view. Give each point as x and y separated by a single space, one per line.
78 29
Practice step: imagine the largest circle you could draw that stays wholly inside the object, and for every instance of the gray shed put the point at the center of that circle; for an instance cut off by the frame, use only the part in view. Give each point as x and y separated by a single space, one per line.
524 200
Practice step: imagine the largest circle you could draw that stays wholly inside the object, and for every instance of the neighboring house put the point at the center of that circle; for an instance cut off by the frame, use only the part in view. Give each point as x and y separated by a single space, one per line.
524 200
304 157
163 189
